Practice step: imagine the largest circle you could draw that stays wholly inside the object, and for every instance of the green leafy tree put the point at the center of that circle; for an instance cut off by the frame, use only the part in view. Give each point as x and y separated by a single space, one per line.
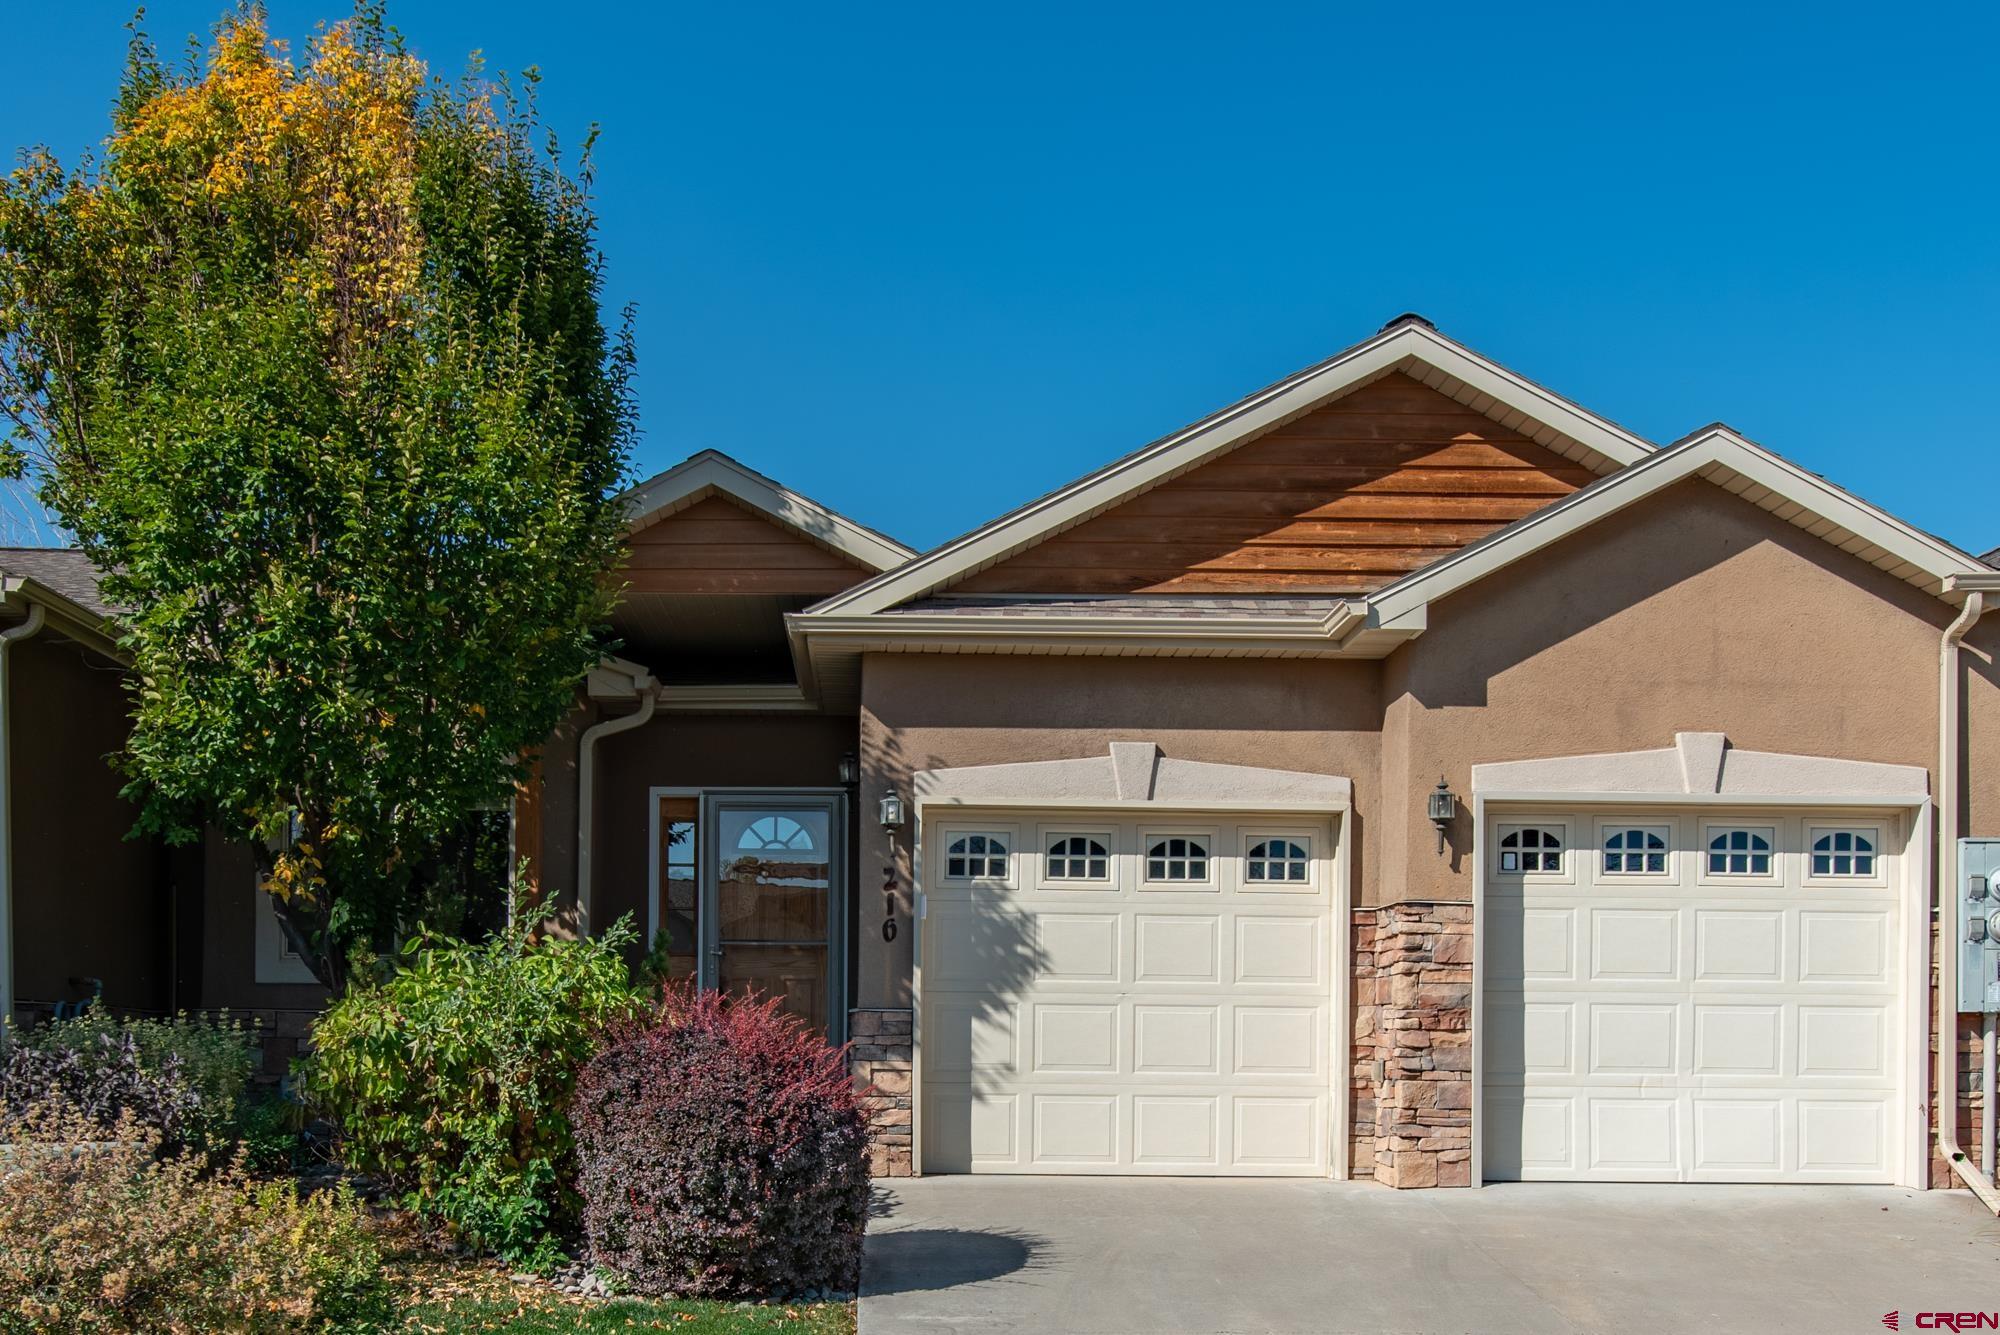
312 364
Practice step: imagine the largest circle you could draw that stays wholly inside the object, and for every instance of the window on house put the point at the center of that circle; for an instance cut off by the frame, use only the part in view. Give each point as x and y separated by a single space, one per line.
1276 860
1739 853
976 857
1635 850
1177 859
1531 848
1079 857
1843 853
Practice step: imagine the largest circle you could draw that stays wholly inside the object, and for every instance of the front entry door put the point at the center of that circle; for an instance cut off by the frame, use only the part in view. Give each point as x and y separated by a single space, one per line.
772 914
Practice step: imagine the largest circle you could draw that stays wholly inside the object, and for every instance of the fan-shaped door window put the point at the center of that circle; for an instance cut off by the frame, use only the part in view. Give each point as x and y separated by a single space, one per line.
776 833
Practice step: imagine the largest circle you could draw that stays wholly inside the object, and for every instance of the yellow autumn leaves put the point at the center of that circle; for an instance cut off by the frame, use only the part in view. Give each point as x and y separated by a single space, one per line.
322 151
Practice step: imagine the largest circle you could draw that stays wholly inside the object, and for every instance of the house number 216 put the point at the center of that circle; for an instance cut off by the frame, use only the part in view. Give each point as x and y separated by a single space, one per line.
889 904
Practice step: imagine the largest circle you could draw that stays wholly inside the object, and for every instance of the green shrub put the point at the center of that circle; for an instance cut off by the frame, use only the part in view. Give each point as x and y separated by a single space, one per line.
102 1231
183 1077
452 1079
267 1131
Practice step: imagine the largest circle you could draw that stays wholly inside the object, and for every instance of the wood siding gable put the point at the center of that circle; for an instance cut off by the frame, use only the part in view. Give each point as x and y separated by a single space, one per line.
1344 499
717 546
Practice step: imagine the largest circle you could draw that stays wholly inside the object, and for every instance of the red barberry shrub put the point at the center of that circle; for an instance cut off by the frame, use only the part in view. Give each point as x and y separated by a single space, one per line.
722 1152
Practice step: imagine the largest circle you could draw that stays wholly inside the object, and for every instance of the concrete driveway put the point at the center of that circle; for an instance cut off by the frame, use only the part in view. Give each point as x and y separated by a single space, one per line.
1112 1256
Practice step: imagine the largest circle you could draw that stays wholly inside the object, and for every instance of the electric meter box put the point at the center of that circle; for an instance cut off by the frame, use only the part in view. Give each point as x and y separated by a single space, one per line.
1979 925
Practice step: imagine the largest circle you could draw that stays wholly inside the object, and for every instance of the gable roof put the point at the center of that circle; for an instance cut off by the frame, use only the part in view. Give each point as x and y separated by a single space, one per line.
1409 344
713 473
1729 460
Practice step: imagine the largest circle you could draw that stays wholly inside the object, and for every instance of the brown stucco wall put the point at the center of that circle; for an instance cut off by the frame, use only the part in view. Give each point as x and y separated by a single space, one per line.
88 902
1691 611
928 711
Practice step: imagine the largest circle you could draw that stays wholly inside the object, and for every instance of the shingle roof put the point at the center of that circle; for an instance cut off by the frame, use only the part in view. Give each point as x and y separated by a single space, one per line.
64 569
1992 558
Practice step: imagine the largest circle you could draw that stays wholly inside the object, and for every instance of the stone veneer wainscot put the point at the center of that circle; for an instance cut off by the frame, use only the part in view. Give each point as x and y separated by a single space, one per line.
881 1059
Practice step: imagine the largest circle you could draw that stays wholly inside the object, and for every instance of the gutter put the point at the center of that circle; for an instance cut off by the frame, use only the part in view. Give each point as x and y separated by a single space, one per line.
8 638
1321 634
1950 765
586 775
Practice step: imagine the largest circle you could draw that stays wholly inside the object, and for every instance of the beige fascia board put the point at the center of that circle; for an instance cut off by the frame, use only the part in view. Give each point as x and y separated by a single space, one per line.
712 472
1395 605
1196 444
1274 807
1615 798
1143 634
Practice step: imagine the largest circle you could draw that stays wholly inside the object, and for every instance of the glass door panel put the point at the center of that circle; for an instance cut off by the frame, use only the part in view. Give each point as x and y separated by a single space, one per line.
777 877
679 935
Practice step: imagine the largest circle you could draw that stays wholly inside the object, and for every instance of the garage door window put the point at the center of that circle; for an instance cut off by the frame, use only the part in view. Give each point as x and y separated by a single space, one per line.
1177 858
1271 860
976 857
1635 850
1739 853
1079 857
1531 848
1844 853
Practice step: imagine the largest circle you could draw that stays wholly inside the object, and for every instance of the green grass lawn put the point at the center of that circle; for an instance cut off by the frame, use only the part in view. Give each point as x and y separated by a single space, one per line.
446 1299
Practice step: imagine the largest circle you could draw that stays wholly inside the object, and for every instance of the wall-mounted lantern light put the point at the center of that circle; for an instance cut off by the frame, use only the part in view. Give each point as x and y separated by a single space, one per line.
1443 805
892 811
850 769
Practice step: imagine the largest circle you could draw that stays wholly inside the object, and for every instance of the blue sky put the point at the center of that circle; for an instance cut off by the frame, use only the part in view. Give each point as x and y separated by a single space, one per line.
925 262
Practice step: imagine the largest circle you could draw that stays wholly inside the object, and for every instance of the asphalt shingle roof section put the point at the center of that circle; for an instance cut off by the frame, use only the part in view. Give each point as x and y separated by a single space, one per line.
64 569
1992 558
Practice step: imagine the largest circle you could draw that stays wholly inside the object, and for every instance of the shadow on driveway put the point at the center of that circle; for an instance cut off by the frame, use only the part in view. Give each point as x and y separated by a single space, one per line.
917 1260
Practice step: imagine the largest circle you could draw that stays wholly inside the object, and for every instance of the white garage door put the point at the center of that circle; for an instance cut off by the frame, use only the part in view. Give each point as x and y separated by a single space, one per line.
1684 996
1127 997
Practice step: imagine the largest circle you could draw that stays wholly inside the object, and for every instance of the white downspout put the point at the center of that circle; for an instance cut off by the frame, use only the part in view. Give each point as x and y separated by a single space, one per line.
586 775
1945 1099
8 638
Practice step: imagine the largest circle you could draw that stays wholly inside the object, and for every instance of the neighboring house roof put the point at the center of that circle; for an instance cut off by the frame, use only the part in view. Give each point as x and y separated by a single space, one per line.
63 583
1992 558
1409 344
712 473
62 570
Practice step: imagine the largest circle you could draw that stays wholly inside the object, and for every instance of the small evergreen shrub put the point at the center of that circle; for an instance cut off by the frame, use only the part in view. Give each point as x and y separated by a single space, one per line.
452 1078
722 1151
101 1229
183 1077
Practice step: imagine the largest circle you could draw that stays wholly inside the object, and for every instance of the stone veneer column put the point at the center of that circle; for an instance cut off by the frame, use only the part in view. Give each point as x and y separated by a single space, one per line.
1412 1079
881 1058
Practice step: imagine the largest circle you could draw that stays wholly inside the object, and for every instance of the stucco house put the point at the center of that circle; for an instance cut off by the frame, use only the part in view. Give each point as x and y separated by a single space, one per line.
1403 772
